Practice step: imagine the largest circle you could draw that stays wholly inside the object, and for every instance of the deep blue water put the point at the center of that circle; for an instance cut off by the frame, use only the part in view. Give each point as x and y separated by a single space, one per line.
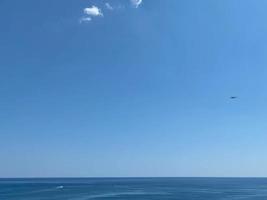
134 188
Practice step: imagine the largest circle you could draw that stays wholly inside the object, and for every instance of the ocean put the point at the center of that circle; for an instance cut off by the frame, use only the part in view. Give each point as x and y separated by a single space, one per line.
134 188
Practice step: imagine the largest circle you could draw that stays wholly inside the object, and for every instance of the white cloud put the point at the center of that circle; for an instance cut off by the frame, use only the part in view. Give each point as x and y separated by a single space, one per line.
93 11
108 6
85 19
136 3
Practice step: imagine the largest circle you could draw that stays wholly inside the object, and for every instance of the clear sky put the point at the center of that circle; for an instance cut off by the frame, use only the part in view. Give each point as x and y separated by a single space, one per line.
131 88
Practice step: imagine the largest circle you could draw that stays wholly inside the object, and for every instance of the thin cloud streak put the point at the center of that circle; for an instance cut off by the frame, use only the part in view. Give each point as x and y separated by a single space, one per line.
136 3
85 19
108 6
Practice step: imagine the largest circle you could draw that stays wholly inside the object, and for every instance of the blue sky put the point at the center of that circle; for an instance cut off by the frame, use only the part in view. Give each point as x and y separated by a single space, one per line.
133 88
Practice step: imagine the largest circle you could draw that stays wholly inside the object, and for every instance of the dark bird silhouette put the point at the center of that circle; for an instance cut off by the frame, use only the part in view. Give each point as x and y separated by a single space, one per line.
233 97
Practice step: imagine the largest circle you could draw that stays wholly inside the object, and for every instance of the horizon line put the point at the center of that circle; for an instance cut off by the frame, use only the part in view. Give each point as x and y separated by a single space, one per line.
130 177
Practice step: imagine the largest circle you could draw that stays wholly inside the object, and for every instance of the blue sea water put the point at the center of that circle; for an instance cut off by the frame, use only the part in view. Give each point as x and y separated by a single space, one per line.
134 188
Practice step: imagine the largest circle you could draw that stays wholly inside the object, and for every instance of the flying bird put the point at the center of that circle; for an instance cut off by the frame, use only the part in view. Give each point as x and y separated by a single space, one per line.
233 97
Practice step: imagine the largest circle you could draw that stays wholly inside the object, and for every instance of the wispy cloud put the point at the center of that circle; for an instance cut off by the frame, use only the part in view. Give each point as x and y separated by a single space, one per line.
93 11
85 19
136 3
108 6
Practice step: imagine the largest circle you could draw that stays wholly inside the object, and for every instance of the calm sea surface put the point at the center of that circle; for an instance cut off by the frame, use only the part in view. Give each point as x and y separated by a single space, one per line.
134 188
